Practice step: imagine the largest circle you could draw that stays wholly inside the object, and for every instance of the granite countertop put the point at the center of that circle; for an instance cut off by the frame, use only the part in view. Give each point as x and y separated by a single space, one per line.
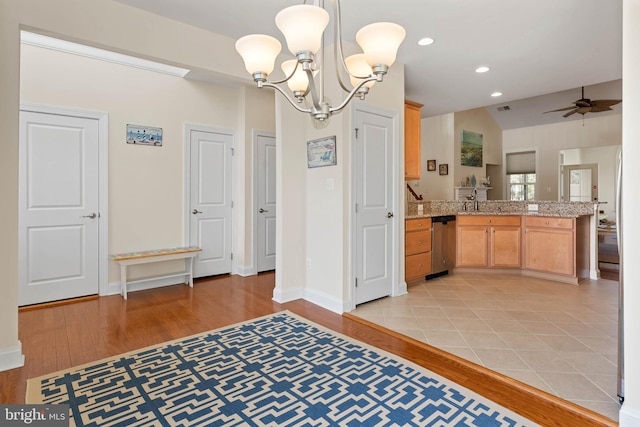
541 208
478 213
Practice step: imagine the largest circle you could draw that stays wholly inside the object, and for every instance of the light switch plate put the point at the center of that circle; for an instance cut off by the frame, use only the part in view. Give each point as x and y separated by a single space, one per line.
533 207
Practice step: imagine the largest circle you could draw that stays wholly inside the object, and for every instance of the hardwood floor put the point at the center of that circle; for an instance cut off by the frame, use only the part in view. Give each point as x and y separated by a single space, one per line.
59 337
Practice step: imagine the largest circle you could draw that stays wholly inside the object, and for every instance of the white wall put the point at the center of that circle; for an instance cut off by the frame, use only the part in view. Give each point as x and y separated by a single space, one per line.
437 136
547 140
630 413
146 184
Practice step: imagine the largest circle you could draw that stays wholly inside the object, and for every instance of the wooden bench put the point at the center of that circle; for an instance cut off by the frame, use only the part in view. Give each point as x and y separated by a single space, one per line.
144 257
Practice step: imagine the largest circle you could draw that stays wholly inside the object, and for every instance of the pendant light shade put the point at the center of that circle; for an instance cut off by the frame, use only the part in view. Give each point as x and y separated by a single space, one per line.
357 66
303 26
259 52
299 81
380 42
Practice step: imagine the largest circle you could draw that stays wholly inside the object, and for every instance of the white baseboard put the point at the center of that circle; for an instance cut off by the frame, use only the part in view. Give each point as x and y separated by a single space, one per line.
291 295
114 287
11 358
245 271
325 301
629 417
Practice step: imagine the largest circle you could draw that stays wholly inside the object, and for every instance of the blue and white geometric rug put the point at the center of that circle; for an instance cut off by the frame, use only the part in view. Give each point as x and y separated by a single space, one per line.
278 370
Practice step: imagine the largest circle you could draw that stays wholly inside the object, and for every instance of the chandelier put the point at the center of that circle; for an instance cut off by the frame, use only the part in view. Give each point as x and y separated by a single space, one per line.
303 27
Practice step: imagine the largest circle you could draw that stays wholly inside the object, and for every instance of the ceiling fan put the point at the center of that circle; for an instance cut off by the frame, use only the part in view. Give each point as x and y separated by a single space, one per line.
585 105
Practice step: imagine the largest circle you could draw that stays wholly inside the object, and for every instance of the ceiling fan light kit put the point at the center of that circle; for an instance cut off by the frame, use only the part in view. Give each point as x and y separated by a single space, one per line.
303 27
585 105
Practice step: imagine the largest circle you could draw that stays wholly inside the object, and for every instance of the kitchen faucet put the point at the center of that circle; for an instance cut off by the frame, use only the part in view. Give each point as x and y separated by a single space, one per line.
475 199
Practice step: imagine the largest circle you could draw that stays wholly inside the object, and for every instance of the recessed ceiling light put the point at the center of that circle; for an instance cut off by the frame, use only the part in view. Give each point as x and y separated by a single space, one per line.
426 41
496 94
482 69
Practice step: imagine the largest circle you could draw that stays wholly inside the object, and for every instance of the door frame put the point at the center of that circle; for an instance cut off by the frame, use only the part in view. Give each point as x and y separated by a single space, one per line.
187 184
398 285
103 180
565 172
253 270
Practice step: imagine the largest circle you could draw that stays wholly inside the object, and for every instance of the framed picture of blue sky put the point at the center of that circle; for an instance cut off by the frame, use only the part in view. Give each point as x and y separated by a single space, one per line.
471 149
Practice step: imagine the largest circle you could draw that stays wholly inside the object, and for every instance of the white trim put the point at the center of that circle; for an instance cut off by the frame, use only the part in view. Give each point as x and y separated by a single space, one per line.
325 301
398 285
629 417
114 288
188 128
246 271
254 191
290 295
60 45
11 358
103 180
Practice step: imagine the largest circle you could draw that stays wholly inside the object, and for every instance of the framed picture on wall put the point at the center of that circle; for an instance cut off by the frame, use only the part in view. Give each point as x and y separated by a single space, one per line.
431 165
144 135
444 169
321 152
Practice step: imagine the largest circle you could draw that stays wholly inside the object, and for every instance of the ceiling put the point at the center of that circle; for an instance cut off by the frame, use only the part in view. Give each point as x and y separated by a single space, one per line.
533 47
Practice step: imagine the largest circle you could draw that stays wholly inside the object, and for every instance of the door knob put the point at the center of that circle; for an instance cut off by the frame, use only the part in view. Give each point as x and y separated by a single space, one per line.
92 215
263 210
196 211
389 214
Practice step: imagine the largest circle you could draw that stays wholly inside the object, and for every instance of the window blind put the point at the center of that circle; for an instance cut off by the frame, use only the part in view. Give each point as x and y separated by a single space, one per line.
523 162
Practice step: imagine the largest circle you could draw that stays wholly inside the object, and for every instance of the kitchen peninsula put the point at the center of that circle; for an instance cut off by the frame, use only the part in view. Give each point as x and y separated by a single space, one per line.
551 240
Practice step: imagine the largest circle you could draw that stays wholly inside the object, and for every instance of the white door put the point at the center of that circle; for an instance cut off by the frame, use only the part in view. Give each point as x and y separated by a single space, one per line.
266 202
374 215
58 198
580 182
210 201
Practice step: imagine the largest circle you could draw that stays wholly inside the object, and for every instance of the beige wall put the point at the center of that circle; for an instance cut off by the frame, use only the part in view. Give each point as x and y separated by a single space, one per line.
546 140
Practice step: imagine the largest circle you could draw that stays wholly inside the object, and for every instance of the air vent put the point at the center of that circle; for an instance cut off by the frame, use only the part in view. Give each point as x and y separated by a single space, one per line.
504 108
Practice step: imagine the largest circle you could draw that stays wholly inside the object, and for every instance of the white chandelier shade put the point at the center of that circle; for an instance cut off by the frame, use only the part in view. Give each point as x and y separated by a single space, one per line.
259 52
380 42
303 27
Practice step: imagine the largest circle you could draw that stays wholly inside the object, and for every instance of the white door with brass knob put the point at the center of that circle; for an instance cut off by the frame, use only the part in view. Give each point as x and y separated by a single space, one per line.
58 207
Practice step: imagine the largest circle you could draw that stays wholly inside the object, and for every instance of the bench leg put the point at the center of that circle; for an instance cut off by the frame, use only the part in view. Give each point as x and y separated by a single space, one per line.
123 281
190 270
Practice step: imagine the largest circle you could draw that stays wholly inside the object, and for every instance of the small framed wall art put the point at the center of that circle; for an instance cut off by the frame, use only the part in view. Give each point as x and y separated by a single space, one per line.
144 135
321 152
431 165
444 169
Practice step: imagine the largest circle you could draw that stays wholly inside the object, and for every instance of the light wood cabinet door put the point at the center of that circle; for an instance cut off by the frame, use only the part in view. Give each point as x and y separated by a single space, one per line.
550 250
417 242
505 247
412 140
472 246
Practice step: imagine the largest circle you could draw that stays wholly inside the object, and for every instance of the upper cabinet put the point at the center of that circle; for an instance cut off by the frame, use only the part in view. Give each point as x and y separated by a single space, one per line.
411 140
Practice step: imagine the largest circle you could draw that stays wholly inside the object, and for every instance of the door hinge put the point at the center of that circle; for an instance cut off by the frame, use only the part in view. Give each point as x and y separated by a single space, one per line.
233 151
356 208
232 255
356 282
357 132
232 204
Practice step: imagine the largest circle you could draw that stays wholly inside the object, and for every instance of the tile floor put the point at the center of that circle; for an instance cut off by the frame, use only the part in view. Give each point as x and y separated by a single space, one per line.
557 337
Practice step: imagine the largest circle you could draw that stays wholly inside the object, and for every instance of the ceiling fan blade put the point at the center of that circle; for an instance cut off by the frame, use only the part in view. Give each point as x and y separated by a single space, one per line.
600 108
605 102
575 110
560 109
583 110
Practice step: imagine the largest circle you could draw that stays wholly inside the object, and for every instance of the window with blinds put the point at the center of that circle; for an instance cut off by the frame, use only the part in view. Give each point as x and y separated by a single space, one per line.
521 174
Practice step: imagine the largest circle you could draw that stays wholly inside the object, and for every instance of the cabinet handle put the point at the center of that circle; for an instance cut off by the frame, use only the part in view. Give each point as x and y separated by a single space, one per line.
420 242
547 222
489 221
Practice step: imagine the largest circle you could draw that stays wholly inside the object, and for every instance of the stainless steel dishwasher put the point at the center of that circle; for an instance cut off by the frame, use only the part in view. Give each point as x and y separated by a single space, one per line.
443 245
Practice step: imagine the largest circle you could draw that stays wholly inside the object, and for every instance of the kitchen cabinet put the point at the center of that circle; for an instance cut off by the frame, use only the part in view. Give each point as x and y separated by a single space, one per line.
412 140
557 245
486 241
417 248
